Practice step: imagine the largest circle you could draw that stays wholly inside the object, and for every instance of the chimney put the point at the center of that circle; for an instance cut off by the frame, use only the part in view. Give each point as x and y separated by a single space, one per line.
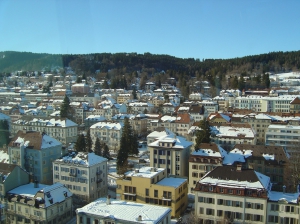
283 188
239 167
139 218
108 200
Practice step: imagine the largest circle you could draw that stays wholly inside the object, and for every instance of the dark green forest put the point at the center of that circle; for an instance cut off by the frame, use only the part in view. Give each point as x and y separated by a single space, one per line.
122 68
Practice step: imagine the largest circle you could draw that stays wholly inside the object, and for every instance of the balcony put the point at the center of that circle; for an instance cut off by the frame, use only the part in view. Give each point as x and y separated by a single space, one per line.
99 172
73 174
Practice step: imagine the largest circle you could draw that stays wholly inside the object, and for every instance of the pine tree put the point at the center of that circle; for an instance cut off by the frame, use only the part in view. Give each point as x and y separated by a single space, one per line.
80 144
64 108
128 145
134 96
97 148
4 132
106 153
203 135
89 141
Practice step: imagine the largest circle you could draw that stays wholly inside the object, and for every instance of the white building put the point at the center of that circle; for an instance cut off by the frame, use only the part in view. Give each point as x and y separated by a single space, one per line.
85 174
229 135
108 132
63 130
110 211
170 152
286 136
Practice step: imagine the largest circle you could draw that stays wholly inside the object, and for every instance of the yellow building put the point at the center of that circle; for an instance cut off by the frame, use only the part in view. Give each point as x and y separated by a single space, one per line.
150 185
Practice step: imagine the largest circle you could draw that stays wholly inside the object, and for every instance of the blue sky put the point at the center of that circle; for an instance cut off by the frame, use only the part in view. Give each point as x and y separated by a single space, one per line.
181 28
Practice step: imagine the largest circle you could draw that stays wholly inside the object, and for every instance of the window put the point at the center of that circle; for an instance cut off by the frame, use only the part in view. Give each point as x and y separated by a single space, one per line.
273 218
219 213
220 201
210 211
289 209
274 207
147 192
221 190
230 191
200 199
201 210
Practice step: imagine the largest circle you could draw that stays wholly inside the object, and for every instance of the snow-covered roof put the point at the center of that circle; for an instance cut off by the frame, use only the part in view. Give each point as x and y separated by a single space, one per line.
4 117
82 158
178 142
108 125
228 131
50 122
171 182
57 192
235 155
228 176
96 118
280 196
126 211
145 172
4 157
46 141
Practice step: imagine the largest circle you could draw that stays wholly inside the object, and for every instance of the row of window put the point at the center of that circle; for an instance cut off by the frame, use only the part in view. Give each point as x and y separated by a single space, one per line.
230 203
231 215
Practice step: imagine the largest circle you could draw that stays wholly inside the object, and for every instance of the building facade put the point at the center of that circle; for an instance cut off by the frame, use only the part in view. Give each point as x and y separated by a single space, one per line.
84 174
35 152
150 185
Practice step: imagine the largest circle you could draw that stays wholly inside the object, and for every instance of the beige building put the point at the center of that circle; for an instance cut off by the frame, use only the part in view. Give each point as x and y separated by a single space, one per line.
36 203
233 195
150 185
111 211
123 97
170 152
80 88
63 130
202 161
85 174
108 132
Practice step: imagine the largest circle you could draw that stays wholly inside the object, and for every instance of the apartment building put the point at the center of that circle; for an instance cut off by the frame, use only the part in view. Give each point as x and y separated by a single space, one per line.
111 211
202 161
152 122
63 130
197 112
271 161
140 107
35 152
227 135
233 195
223 102
265 103
170 152
108 132
179 124
92 119
286 136
154 187
123 97
80 88
11 176
84 174
210 106
138 122
37 203
295 105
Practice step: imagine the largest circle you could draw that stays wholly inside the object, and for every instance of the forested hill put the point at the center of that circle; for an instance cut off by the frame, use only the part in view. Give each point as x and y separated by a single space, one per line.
183 69
26 61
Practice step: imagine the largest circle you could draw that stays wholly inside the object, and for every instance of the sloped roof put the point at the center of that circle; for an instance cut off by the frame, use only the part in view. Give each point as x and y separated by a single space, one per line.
33 140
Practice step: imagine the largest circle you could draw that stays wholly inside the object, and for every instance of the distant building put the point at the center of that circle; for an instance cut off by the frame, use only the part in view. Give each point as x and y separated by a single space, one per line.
111 211
80 88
